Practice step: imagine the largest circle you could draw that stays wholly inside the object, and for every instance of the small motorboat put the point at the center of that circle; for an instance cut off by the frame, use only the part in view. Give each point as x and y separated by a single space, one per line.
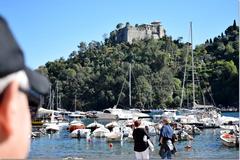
192 130
229 140
115 136
182 135
100 132
76 124
94 126
80 133
111 125
52 128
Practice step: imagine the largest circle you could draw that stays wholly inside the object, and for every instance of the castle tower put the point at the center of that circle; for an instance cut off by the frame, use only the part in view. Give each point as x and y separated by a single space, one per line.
139 32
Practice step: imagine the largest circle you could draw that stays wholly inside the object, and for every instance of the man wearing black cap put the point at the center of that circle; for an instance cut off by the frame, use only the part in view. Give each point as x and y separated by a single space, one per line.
20 93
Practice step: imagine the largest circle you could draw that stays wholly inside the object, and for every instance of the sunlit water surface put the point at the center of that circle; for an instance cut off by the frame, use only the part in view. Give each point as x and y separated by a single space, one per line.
205 146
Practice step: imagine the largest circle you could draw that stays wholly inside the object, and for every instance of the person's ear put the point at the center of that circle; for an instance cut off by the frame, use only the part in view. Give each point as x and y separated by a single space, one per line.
8 109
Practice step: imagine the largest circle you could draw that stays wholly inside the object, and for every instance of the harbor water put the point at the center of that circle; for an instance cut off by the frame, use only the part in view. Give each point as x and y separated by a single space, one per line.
207 145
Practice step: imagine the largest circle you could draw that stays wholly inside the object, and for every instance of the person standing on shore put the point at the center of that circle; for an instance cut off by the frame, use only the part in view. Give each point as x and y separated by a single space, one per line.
141 146
165 139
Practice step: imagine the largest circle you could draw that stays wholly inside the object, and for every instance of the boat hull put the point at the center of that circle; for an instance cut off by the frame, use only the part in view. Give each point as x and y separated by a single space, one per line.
113 137
80 133
76 126
228 140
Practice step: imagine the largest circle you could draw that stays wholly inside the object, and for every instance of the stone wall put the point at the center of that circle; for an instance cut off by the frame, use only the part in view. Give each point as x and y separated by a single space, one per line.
144 31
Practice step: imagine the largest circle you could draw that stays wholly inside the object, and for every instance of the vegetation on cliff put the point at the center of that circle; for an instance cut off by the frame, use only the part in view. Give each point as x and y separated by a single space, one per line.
94 74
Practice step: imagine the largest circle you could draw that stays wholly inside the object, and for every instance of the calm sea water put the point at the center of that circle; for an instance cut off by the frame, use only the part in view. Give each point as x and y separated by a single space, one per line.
61 146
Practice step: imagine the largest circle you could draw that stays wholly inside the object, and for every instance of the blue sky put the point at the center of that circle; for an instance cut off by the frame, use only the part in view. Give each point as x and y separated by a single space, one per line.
50 29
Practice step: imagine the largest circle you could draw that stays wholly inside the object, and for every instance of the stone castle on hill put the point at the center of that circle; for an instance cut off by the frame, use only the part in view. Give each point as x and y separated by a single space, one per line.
138 32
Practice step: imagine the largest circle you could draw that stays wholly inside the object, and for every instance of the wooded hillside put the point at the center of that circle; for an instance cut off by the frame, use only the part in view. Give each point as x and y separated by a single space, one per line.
96 72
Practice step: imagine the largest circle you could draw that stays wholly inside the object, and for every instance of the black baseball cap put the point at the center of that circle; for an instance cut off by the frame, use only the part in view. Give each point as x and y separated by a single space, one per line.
12 61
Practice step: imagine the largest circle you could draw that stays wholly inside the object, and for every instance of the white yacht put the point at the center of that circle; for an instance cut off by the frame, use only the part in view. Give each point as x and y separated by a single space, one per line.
100 132
125 114
170 113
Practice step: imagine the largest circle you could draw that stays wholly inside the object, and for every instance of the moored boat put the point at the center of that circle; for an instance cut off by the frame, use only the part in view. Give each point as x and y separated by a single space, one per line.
111 125
76 115
100 132
115 136
52 128
80 133
94 126
76 124
229 140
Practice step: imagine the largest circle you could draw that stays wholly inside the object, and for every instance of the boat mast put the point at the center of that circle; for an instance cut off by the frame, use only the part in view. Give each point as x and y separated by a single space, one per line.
75 103
50 98
193 82
60 101
53 97
130 98
184 78
57 98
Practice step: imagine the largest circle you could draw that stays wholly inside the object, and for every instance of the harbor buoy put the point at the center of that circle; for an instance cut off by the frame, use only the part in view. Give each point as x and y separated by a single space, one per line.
110 145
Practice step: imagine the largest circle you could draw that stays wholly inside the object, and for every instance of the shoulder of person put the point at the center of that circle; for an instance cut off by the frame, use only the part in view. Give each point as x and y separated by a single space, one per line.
163 127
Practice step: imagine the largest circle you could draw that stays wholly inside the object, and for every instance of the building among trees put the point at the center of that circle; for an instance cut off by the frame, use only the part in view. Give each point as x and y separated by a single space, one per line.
138 32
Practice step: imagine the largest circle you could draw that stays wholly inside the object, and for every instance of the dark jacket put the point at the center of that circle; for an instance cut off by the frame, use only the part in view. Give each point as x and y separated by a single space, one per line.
139 144
166 133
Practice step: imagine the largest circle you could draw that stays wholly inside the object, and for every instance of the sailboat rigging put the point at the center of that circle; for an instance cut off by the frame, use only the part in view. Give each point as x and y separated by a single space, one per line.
193 70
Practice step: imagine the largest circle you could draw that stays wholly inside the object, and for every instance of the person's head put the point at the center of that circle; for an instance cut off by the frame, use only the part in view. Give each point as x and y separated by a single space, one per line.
175 125
166 121
137 123
19 88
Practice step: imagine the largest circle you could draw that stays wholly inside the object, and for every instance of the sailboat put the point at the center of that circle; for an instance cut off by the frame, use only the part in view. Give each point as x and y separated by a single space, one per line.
208 115
126 114
56 121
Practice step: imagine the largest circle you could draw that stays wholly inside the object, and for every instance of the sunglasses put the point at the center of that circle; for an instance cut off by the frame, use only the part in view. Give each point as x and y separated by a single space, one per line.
34 101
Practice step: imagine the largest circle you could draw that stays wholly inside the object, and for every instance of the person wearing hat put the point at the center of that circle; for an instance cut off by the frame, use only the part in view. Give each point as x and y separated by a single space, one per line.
141 146
20 93
165 139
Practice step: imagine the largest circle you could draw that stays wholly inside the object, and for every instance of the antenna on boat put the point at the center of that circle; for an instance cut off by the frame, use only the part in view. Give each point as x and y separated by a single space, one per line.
193 82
